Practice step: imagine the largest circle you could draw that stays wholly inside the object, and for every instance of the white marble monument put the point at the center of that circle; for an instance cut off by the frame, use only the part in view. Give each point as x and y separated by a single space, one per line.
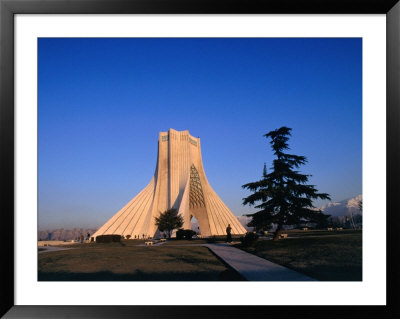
179 182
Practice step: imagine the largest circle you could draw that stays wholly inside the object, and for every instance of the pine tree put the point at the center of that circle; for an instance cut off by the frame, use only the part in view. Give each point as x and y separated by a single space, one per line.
284 196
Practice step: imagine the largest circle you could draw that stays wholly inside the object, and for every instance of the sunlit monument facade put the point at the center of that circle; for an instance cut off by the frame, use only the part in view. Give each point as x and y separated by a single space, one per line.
179 182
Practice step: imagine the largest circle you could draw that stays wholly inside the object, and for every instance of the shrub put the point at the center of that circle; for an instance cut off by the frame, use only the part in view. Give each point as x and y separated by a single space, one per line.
185 234
212 240
249 239
108 239
179 234
128 236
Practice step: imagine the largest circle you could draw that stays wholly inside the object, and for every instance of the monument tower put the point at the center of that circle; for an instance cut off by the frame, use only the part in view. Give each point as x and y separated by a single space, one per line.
179 182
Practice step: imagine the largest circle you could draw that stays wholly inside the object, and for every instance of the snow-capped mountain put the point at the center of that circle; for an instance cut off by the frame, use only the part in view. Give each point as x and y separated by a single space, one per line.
345 207
244 220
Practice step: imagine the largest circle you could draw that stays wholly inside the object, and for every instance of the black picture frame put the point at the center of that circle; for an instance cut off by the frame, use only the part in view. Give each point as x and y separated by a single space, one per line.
8 8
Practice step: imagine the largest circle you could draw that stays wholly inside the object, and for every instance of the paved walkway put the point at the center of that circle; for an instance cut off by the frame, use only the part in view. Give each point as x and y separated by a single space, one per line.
255 268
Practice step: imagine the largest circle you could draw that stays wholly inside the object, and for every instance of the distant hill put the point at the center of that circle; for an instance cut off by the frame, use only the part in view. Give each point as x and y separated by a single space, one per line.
343 208
64 234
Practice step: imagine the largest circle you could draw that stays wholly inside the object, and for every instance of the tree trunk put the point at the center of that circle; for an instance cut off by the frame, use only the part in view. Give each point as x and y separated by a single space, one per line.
278 232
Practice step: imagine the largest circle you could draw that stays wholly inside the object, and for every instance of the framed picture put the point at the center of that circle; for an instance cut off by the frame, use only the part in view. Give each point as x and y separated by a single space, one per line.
31 31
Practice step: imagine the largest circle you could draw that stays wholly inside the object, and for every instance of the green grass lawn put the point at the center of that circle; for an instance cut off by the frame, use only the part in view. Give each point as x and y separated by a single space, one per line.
127 261
173 242
313 233
323 255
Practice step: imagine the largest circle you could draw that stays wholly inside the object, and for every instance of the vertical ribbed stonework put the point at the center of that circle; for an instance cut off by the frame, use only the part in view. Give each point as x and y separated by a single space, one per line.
179 182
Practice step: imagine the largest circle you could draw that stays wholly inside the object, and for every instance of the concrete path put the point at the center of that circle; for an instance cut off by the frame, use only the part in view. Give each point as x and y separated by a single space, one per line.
255 268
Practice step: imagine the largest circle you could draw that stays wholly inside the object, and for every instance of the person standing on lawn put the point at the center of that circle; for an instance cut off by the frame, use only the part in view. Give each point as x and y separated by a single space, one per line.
228 233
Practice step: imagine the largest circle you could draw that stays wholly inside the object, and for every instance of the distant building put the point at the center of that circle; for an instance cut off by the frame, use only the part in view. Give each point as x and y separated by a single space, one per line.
179 182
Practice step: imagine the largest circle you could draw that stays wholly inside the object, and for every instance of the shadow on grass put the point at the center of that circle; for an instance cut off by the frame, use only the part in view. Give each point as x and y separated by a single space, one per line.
338 273
226 275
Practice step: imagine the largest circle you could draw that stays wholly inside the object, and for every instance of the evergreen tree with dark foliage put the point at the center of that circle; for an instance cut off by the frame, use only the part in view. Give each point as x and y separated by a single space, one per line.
284 196
169 220
321 220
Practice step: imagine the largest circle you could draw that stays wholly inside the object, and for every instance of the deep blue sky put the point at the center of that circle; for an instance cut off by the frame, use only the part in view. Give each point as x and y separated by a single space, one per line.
102 103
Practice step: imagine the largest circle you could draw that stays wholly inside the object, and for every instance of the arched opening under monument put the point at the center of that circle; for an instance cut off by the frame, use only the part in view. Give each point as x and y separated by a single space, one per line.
194 225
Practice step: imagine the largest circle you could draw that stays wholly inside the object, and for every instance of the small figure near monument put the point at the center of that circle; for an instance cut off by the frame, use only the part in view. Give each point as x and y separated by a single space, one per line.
228 233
